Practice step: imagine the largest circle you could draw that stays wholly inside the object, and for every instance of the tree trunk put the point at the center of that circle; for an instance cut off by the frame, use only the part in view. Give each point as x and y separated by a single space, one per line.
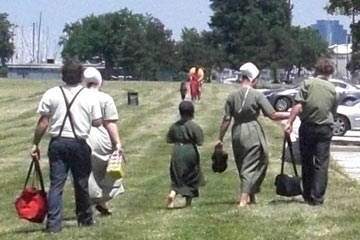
3 62
109 69
299 71
275 75
288 75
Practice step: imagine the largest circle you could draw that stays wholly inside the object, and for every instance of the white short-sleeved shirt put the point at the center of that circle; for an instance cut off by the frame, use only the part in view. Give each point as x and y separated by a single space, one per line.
99 139
84 110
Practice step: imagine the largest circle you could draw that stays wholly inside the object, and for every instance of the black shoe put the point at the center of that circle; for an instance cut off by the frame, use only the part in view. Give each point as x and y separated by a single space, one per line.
103 211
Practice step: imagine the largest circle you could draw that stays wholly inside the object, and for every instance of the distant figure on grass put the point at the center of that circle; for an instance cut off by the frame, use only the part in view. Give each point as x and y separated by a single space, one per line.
183 90
69 111
248 139
196 78
185 173
104 141
316 105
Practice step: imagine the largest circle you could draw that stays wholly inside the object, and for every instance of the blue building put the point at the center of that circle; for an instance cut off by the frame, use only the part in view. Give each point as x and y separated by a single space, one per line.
331 31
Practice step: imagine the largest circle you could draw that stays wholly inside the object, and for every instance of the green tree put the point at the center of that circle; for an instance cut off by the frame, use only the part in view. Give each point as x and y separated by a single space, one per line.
349 8
198 49
159 49
6 46
310 46
138 43
247 26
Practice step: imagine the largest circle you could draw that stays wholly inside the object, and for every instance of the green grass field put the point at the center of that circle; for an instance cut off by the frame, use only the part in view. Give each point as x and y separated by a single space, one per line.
140 212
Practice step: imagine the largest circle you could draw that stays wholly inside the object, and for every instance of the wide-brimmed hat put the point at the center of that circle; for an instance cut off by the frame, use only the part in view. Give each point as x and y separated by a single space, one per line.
92 75
219 160
250 71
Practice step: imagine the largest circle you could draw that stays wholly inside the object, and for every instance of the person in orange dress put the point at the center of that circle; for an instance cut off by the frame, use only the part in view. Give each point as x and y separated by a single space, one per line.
196 77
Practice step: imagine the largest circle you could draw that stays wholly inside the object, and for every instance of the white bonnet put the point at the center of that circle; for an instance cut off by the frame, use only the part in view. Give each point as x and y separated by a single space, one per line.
250 71
92 75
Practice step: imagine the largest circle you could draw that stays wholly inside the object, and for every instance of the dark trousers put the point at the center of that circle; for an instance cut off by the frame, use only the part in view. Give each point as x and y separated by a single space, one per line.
69 154
315 153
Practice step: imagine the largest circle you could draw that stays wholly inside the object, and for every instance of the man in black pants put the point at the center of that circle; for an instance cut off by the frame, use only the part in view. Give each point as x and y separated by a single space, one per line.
69 112
316 104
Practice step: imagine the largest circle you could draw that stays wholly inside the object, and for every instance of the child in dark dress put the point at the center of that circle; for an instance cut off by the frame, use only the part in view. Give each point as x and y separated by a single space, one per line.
185 172
183 90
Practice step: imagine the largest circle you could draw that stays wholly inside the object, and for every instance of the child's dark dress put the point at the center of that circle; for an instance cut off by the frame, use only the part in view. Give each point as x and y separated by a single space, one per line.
185 172
183 90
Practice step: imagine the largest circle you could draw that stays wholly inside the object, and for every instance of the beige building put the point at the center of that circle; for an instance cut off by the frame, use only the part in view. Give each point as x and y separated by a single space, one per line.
341 57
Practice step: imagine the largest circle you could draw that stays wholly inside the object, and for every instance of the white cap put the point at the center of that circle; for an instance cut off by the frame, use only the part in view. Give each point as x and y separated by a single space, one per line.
92 75
250 71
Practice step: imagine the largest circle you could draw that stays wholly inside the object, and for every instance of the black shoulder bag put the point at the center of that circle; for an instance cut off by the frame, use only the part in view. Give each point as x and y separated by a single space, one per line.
288 185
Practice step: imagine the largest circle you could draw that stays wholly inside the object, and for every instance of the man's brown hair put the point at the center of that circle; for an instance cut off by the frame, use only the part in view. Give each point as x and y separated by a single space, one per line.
72 71
324 67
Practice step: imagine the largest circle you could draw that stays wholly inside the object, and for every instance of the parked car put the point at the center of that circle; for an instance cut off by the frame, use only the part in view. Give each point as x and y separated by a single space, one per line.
349 93
282 100
230 80
348 118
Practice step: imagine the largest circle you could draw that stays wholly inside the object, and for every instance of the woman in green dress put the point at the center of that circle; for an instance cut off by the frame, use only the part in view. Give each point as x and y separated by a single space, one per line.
248 139
185 172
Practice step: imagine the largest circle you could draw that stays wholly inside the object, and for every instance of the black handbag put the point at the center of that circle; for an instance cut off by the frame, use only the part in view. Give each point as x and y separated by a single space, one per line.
288 185
219 160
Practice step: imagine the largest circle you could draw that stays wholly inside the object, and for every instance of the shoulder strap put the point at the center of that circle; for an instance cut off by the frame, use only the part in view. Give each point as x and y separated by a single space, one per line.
68 113
243 101
288 141
38 174
29 173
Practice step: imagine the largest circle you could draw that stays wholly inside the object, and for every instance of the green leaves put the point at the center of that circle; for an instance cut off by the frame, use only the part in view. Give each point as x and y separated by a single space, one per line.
6 46
137 43
246 28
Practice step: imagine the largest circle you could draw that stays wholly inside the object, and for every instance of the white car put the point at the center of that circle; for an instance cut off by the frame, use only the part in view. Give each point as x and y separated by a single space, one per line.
348 118
230 80
282 100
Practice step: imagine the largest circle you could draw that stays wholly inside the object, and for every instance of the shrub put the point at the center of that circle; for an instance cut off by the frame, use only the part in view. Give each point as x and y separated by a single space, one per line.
3 72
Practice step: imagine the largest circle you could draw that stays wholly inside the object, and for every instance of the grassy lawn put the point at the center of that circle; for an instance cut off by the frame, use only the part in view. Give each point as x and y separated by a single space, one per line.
140 212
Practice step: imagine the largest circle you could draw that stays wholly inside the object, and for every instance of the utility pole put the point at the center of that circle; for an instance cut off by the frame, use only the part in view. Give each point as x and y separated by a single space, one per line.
290 8
22 44
38 43
33 43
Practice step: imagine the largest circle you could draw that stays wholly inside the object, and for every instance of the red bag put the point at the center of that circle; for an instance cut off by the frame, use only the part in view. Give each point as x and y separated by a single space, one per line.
32 203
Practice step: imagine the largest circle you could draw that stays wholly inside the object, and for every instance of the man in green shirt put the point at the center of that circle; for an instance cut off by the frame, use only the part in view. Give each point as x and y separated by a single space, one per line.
316 105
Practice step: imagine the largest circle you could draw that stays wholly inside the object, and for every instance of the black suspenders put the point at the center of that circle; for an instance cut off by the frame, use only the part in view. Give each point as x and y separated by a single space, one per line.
68 113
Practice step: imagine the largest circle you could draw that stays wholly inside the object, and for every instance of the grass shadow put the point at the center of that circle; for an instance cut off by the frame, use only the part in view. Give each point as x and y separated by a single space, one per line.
70 218
222 202
170 209
282 201
27 230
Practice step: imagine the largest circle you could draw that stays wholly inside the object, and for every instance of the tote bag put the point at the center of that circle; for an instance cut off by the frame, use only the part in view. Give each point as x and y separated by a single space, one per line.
32 203
288 185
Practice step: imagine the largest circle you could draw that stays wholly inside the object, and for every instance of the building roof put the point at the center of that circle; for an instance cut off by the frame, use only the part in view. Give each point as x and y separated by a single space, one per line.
341 48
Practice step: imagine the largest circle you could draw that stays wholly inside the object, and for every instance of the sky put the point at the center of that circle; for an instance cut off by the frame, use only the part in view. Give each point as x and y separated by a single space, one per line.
175 14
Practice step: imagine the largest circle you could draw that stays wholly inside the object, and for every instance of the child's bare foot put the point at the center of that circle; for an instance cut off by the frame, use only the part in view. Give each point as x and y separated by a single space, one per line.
244 200
243 204
171 199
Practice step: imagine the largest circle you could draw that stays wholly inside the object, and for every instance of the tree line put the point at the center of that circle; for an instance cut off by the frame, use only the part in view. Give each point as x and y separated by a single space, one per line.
240 31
